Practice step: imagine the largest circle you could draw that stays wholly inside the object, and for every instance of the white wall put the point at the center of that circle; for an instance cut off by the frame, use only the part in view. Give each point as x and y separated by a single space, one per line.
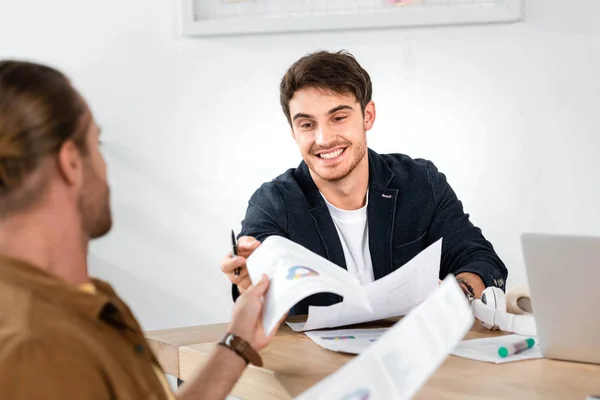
508 112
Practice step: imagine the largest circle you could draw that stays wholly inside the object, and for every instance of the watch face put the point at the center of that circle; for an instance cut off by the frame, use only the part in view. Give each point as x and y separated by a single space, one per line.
229 339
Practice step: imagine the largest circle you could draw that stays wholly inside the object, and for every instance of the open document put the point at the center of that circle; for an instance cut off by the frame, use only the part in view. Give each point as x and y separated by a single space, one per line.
391 296
296 273
399 363
352 341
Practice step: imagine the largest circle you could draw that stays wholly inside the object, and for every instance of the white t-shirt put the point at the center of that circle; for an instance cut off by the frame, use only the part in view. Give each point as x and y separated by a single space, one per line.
353 230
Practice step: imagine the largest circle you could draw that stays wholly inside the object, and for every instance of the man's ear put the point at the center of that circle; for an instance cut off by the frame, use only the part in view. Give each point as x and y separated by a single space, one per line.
70 163
370 114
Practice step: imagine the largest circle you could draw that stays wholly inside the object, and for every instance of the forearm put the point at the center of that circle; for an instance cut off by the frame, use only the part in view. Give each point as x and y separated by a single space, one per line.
486 267
216 379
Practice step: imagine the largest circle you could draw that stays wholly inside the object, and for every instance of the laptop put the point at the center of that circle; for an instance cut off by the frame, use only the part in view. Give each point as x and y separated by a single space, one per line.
564 281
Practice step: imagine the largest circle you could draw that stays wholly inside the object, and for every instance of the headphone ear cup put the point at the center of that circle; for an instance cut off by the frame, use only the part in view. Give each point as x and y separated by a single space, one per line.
494 297
485 313
491 311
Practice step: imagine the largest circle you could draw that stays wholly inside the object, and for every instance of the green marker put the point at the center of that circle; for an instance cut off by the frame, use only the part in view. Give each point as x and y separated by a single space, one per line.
515 348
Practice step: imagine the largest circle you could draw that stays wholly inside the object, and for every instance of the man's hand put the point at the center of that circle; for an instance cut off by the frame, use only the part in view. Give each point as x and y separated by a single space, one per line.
245 246
246 321
218 376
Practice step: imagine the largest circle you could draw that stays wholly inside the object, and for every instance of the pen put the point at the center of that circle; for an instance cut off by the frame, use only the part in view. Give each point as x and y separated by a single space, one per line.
236 272
515 348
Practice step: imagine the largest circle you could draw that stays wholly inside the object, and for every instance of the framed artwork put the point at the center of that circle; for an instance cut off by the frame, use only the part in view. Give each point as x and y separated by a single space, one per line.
241 17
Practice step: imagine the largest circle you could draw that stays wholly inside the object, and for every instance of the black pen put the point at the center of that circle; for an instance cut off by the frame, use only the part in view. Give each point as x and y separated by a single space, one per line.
236 272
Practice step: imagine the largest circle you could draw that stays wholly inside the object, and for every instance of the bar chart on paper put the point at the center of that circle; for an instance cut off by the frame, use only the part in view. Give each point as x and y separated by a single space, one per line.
206 17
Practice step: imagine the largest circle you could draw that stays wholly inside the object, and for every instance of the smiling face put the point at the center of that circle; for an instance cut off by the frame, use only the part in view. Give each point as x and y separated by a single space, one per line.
330 130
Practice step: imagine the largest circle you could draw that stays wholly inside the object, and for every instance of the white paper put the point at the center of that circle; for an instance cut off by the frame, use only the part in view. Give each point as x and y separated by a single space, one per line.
399 363
486 349
296 273
352 341
391 296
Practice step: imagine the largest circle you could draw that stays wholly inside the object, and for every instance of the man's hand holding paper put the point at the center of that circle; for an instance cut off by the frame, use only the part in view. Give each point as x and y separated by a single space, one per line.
245 247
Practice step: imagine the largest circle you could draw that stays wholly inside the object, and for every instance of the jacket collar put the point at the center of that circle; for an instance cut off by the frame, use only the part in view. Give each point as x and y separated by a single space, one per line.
380 215
380 176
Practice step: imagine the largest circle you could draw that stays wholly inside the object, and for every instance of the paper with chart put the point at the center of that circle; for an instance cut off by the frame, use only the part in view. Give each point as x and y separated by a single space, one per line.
399 363
352 341
486 349
296 273
391 296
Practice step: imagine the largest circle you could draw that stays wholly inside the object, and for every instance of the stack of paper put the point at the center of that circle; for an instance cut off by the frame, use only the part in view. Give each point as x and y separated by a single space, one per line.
399 363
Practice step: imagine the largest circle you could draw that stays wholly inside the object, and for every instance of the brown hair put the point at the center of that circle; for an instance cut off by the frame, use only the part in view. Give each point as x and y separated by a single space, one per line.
39 111
337 72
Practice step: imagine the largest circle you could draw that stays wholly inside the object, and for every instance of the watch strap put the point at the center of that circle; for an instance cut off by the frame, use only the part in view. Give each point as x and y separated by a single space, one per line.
241 348
467 288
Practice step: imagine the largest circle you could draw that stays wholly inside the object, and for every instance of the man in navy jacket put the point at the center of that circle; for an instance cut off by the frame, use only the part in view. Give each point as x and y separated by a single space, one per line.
369 213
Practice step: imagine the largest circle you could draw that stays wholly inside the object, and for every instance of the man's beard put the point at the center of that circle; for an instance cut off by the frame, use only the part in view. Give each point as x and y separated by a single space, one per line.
359 151
94 206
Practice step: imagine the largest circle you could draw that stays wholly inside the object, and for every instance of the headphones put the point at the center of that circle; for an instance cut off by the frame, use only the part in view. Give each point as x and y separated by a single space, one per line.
491 311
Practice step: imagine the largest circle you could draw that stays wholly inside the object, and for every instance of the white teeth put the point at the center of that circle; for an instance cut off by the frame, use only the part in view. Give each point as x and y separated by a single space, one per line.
331 155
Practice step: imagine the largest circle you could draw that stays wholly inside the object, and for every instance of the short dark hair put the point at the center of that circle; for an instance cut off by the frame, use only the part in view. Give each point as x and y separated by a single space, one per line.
338 72
39 111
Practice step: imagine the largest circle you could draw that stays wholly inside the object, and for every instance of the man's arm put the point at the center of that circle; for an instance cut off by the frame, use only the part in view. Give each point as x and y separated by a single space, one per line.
465 251
216 379
265 216
266 213
224 368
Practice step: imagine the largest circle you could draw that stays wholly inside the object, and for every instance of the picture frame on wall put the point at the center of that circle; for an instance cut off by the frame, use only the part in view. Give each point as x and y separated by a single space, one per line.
242 17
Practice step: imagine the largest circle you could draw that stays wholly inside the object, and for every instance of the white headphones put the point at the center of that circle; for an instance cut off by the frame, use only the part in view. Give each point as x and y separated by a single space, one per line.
491 311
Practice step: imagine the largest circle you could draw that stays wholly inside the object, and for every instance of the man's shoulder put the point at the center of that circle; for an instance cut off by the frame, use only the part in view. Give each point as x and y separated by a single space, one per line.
15 308
399 161
281 187
29 316
407 170
23 325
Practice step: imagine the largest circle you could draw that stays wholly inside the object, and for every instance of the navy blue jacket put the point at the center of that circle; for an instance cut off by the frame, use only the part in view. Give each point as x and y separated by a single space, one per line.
411 206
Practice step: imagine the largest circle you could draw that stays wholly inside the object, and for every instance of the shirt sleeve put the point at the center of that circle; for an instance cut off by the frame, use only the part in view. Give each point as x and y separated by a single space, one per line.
35 368
464 247
265 216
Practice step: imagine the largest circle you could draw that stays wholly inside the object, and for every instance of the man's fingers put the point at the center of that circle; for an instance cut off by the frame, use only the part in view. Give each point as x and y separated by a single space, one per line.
244 283
228 265
260 288
246 245
247 242
238 279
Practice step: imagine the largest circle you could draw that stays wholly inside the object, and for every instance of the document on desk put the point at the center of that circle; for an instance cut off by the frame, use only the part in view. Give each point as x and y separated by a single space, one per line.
486 349
296 273
399 363
391 296
352 341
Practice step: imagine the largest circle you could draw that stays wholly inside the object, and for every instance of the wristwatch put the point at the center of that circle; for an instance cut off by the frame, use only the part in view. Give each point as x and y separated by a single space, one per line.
467 289
241 348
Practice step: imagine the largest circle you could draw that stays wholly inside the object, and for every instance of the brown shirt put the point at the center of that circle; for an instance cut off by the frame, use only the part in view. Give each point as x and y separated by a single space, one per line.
60 342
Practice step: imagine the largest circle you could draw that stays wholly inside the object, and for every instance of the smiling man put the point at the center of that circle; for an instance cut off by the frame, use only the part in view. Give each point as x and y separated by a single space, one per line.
368 213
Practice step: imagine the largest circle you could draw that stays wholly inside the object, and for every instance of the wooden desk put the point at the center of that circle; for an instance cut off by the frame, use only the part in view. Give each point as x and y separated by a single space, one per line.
293 363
